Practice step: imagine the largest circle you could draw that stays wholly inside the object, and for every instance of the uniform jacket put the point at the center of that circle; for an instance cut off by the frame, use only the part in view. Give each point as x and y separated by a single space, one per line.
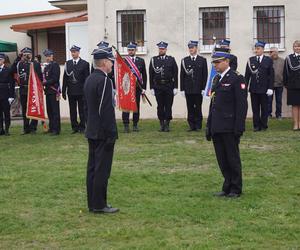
291 72
228 107
163 72
75 76
193 75
233 63
260 76
101 120
7 84
52 76
23 69
140 64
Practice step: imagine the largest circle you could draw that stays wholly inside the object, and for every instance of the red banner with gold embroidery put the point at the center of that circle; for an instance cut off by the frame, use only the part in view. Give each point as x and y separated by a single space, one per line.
126 86
35 99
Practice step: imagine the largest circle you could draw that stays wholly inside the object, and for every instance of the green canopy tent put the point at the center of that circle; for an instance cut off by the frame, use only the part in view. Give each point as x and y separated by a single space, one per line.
8 47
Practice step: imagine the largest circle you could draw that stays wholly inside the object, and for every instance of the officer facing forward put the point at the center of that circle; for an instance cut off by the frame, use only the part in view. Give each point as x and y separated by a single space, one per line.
140 88
76 72
23 70
193 77
260 76
224 46
226 122
163 74
101 130
7 94
51 76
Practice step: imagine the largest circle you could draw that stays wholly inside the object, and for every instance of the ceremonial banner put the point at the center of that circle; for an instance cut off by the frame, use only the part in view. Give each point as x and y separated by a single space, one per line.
207 91
134 69
126 86
35 99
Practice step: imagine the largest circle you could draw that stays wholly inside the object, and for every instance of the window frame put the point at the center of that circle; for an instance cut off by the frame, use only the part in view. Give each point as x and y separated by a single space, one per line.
209 48
141 50
281 45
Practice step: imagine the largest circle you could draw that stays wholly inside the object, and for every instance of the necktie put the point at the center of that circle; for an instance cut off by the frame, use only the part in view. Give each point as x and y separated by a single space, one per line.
74 63
258 59
217 78
193 59
132 58
162 57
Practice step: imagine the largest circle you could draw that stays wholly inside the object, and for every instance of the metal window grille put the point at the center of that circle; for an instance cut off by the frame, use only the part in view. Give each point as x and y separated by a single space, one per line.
268 23
131 26
213 22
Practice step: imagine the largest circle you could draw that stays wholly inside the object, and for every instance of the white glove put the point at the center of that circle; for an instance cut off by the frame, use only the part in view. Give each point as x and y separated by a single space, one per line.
152 92
175 91
143 91
203 92
182 93
10 100
269 92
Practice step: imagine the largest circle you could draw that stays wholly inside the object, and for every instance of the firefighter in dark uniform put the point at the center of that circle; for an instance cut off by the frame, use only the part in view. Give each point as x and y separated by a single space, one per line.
101 130
76 72
226 122
291 76
193 77
224 46
140 89
163 74
23 68
111 75
51 76
7 94
260 76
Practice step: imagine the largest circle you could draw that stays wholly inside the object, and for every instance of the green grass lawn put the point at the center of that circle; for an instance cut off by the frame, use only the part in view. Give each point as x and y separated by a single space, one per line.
163 185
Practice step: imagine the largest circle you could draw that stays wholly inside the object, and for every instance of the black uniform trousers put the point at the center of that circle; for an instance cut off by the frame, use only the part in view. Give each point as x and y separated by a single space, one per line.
136 115
28 124
228 156
164 98
4 111
53 113
74 102
98 172
194 107
259 103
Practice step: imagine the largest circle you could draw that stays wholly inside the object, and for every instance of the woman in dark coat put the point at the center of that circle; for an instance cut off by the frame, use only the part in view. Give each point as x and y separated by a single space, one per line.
292 83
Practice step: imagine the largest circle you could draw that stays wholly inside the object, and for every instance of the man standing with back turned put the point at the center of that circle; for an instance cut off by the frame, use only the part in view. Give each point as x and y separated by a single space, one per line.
101 130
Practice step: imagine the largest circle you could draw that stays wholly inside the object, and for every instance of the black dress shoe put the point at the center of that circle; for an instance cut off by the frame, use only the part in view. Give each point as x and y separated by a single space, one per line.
26 132
106 210
2 131
135 128
191 130
54 133
256 129
220 194
74 132
126 128
233 195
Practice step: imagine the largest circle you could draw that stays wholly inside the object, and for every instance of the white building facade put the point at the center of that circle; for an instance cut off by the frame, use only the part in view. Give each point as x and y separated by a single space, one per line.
178 21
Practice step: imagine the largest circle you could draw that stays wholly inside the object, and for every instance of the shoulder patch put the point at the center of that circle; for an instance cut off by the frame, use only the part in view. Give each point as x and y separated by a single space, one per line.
243 85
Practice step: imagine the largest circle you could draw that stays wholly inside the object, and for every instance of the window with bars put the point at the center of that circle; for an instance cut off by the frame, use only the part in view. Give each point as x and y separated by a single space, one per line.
213 22
268 23
131 28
